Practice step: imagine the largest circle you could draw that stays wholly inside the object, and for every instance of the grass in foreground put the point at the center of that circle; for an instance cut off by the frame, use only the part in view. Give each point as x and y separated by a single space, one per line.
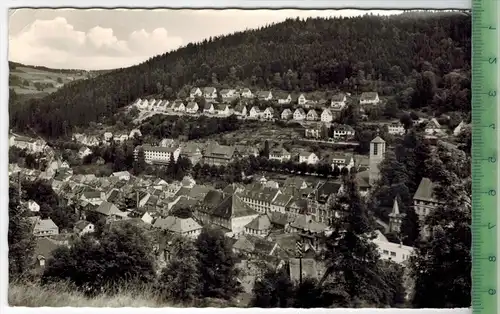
33 295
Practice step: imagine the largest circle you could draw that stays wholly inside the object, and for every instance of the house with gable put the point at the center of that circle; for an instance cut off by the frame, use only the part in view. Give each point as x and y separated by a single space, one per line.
302 100
264 95
286 100
110 212
43 227
187 227
279 154
309 158
255 113
226 211
210 92
425 201
120 137
299 114
246 93
83 227
280 202
312 115
240 110
84 152
287 114
341 161
228 94
338 101
260 226
395 252
179 106
209 108
192 152
433 127
268 113
259 197
135 133
326 116
195 92
158 154
222 110
369 98
192 107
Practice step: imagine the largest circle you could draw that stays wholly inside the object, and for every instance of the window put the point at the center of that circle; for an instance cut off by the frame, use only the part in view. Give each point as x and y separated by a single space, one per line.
385 252
393 253
375 149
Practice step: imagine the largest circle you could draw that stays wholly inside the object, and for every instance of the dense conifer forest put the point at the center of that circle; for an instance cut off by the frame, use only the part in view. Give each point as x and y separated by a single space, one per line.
423 60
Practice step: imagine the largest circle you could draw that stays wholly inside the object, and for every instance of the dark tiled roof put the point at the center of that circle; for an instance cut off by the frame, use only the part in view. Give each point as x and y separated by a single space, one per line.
260 223
425 191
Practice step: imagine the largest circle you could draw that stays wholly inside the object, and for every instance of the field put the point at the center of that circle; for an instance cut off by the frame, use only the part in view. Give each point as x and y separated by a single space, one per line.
37 82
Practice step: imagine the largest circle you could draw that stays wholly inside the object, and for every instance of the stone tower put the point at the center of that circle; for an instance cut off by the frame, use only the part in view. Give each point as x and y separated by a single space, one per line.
395 217
377 152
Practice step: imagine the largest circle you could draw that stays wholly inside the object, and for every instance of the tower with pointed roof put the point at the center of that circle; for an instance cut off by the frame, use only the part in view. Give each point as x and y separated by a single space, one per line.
395 217
377 152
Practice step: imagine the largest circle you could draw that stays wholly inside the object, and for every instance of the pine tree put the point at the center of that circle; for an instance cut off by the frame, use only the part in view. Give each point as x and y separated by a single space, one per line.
216 265
352 259
20 239
180 279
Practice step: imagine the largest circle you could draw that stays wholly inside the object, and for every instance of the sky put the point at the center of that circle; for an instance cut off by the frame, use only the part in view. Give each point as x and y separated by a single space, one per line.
94 39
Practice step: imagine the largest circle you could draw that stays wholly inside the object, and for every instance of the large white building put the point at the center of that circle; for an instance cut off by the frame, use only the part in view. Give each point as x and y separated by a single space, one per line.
392 251
158 154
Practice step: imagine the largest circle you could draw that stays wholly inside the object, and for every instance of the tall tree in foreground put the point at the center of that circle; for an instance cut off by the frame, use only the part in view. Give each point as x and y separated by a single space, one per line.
179 279
441 267
20 238
273 289
351 257
216 266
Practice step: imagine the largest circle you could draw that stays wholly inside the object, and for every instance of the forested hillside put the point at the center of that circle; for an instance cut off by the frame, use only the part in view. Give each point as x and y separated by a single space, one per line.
424 60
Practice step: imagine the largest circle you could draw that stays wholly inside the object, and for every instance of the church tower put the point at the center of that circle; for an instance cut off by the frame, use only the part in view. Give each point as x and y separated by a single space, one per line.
377 152
395 217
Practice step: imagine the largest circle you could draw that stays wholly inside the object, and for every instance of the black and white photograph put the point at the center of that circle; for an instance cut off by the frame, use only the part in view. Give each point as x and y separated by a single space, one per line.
233 158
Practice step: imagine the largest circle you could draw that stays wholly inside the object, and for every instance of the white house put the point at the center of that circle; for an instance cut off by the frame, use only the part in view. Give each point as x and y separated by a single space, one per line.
279 154
209 108
308 158
240 110
326 116
265 95
84 152
392 251
227 93
299 114
83 227
268 113
161 106
302 100
342 161
195 92
246 93
108 136
433 127
122 175
192 107
312 115
396 128
210 92
344 131
120 137
254 113
158 154
179 106
135 132
369 98
43 227
338 101
287 114
284 101
222 110
182 226
33 206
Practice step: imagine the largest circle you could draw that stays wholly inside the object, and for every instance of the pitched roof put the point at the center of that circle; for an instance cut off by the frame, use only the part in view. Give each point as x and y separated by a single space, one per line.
176 224
108 209
378 140
282 199
43 224
338 97
191 105
239 108
425 191
305 222
261 222
232 207
300 111
219 151
369 96
278 218
80 225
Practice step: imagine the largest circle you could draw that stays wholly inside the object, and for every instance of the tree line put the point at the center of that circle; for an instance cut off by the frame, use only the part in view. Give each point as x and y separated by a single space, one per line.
424 60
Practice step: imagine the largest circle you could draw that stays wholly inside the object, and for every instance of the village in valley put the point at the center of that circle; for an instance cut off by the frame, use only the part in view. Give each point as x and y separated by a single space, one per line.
264 213
258 169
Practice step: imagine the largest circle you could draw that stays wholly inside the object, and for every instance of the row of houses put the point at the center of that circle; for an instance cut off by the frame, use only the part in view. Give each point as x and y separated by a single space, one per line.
23 142
367 98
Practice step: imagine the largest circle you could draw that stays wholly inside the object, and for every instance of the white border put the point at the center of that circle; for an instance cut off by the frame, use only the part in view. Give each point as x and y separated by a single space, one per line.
330 4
